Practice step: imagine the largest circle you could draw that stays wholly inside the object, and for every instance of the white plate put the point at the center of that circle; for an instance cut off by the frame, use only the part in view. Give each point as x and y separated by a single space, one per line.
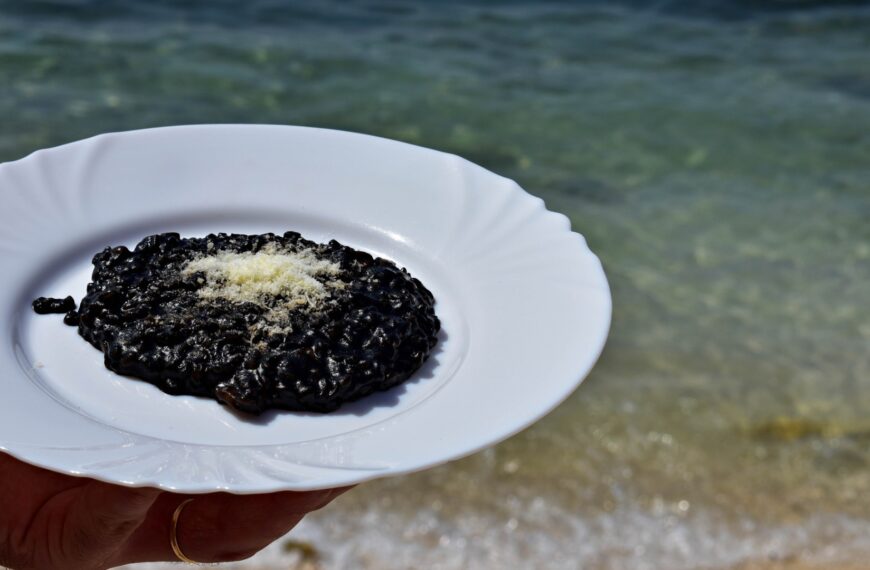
525 306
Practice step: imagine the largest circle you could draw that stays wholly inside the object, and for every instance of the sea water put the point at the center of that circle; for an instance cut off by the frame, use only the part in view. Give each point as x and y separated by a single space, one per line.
715 155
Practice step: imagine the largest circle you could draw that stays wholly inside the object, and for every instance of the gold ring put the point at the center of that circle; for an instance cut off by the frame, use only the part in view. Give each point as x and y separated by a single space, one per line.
173 533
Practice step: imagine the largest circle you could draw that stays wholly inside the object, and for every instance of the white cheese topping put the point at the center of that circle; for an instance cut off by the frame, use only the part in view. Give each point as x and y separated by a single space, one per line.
265 276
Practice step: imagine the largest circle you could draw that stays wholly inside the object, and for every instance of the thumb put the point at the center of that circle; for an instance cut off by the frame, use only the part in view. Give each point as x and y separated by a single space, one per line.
100 521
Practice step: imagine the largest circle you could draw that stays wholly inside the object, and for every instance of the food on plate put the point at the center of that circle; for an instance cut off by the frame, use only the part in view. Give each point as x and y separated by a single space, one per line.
256 321
46 305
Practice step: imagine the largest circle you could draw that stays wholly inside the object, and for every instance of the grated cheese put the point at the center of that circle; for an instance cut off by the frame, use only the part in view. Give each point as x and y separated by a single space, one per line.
267 276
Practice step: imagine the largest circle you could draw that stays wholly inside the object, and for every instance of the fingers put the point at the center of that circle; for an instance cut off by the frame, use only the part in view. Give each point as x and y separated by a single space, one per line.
101 519
286 501
243 524
222 527
225 529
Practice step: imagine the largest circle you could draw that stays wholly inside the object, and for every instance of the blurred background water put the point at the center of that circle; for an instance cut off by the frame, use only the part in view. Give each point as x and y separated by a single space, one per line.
715 155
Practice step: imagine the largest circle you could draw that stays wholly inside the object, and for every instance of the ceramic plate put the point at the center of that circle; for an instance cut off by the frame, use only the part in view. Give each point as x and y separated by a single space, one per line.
524 304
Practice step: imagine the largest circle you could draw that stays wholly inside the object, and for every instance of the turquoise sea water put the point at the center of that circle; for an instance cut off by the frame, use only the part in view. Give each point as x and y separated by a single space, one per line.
715 155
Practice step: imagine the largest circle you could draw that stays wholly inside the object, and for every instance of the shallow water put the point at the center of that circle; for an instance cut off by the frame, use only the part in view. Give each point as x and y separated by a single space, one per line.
716 157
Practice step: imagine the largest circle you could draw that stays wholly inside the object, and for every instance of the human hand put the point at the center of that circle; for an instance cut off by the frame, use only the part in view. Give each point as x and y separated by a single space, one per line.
52 521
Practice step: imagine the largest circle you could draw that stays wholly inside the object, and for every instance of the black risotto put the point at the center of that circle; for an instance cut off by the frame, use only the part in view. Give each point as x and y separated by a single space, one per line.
255 321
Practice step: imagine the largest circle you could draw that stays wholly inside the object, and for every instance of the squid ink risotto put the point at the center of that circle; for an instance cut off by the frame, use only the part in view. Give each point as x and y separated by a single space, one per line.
255 321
